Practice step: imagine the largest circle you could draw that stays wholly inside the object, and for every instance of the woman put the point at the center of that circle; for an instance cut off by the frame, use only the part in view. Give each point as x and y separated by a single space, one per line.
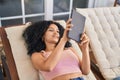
52 54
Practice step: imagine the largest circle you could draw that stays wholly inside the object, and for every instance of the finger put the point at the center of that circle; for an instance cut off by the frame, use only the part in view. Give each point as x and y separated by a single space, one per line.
84 42
68 21
82 36
85 38
69 26
68 29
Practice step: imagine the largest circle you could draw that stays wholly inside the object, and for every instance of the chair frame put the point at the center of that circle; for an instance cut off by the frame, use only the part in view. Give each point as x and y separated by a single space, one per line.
9 57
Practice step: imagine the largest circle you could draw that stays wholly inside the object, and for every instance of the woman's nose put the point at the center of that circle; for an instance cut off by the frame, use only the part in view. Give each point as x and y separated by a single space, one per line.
55 32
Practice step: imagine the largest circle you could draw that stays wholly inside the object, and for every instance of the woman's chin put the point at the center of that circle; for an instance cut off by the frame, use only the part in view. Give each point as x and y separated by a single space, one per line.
55 41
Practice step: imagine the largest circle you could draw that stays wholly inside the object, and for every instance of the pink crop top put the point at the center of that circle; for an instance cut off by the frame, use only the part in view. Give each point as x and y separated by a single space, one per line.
68 63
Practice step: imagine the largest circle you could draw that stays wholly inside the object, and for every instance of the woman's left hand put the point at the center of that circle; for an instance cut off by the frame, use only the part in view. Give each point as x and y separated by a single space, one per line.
84 44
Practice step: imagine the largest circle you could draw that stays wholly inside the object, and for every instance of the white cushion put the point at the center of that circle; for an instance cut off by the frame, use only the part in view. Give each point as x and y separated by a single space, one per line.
24 66
103 29
22 60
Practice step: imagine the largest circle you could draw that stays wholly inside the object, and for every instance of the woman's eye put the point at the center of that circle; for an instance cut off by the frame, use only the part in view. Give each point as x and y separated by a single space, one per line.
50 30
58 31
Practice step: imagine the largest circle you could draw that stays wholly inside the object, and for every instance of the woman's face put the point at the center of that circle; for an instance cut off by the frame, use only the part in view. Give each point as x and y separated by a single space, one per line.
52 34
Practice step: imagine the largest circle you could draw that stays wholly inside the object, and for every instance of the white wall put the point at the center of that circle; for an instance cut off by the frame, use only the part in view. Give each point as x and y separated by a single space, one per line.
91 3
110 2
101 3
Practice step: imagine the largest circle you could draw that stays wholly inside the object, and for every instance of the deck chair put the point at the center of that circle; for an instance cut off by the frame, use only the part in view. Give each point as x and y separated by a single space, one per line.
103 29
19 64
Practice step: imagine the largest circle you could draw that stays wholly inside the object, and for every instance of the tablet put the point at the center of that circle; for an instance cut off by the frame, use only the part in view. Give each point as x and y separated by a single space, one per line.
78 21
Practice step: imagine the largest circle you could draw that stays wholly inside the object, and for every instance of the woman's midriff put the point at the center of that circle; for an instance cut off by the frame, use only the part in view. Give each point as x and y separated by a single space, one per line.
68 76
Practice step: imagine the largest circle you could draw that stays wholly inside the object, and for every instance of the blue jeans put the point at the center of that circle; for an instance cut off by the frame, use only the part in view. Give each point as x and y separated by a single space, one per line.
78 78
118 78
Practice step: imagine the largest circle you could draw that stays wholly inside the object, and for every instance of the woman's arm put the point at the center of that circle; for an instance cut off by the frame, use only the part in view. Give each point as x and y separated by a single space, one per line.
84 46
41 63
84 60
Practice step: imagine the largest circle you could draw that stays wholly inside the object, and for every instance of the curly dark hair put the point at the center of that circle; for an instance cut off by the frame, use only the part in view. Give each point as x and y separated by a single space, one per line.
33 36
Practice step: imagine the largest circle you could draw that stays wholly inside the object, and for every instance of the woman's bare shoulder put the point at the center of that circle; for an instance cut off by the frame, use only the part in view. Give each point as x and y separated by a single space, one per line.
37 55
37 59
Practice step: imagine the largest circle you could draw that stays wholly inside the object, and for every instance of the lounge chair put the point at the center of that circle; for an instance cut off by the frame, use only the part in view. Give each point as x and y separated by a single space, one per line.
19 63
103 29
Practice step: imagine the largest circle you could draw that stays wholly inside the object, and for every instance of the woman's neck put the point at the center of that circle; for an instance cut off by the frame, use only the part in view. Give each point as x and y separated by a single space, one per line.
50 47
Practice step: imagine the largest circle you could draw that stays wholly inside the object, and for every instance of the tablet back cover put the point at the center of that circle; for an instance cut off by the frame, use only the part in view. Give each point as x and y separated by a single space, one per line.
78 22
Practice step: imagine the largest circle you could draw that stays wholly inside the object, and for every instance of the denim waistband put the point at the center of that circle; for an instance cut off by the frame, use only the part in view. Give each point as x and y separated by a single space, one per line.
78 78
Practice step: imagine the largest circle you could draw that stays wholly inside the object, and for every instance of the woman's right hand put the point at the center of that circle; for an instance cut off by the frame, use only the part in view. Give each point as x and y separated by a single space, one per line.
68 27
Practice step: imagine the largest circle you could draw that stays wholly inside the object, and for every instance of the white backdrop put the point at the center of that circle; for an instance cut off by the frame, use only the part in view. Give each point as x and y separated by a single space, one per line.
101 3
